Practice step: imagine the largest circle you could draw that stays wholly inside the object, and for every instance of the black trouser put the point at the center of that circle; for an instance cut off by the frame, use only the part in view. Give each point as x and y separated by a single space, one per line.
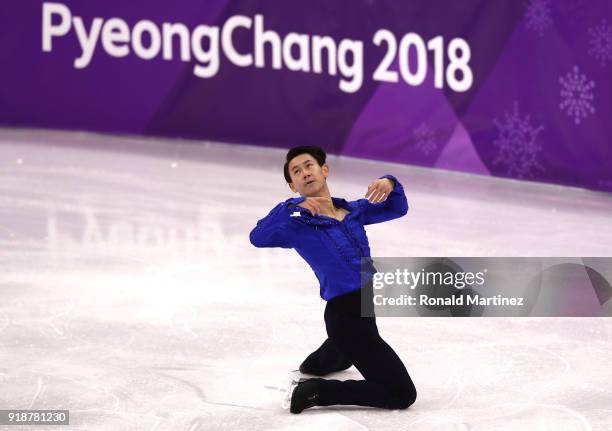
355 340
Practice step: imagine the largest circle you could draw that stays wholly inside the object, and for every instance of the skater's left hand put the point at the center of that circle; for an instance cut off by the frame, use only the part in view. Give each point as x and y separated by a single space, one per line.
379 190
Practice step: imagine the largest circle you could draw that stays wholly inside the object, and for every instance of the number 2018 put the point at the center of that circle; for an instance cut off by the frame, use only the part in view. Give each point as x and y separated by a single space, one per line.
458 54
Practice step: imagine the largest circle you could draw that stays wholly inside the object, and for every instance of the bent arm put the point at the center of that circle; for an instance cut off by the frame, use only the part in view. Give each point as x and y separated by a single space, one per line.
274 229
395 206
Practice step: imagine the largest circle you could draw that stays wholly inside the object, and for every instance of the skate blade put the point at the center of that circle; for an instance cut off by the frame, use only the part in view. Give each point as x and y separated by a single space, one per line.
286 402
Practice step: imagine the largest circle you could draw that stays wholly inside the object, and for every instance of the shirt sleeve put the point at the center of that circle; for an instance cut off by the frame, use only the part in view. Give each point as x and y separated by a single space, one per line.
274 229
395 206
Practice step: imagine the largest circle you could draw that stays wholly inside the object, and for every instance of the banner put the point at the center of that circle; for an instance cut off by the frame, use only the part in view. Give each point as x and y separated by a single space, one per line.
517 89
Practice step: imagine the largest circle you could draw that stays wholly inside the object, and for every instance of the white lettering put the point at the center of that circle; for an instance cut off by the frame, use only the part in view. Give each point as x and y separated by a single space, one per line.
261 38
148 40
302 63
209 59
354 70
142 27
48 29
86 41
182 32
116 31
242 60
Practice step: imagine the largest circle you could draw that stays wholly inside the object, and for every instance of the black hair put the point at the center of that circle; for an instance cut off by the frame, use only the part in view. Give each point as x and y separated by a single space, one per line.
317 152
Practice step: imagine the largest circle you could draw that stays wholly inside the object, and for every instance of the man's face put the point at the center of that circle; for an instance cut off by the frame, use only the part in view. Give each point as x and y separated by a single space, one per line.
307 177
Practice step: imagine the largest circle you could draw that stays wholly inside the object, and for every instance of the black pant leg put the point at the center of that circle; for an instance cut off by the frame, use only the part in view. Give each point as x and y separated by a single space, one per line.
387 383
325 360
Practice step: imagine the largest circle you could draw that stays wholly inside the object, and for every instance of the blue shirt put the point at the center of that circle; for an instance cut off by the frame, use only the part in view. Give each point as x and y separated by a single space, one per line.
332 248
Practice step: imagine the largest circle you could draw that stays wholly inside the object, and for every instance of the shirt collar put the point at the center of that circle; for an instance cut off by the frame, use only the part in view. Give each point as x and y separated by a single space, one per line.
341 202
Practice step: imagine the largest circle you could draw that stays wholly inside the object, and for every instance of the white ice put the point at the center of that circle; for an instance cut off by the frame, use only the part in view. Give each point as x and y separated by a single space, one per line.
131 296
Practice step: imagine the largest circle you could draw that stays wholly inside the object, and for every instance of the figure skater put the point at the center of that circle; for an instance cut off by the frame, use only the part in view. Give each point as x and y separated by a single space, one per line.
328 232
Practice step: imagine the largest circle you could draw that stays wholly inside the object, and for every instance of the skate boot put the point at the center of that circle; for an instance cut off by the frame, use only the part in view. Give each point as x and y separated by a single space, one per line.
304 395
295 379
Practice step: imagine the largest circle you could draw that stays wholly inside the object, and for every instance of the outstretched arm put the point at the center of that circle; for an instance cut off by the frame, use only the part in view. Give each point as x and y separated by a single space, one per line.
393 206
274 229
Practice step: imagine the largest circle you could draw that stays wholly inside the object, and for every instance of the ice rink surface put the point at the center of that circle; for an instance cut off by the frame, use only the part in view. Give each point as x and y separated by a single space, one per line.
131 296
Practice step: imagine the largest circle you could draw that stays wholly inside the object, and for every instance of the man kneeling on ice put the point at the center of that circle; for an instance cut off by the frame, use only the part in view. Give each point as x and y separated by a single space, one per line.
328 232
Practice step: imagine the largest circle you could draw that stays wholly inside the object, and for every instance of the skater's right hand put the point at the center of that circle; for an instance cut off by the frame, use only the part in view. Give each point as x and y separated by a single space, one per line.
315 204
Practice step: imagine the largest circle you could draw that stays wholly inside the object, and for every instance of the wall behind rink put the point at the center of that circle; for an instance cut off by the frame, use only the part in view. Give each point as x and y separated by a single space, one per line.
518 89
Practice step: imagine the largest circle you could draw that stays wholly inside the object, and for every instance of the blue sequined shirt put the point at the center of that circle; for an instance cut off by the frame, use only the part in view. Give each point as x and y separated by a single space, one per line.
334 249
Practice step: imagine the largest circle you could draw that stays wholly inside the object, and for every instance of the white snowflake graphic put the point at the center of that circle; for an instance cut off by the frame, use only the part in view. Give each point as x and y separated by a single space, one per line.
577 95
601 42
516 141
538 16
425 139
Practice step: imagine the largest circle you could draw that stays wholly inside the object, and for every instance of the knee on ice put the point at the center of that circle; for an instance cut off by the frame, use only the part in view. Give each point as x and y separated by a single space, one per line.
405 398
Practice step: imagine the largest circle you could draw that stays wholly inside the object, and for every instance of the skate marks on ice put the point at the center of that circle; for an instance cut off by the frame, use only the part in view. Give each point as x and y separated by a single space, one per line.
523 382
